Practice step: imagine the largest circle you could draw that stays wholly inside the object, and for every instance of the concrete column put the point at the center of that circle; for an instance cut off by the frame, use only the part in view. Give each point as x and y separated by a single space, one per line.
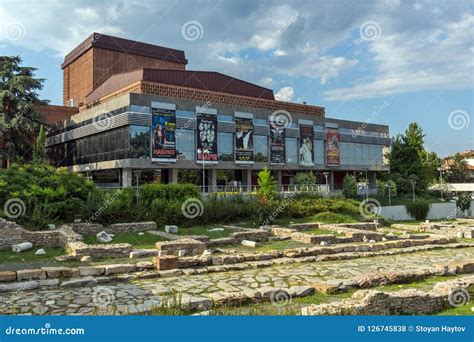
278 179
246 179
127 178
173 176
212 180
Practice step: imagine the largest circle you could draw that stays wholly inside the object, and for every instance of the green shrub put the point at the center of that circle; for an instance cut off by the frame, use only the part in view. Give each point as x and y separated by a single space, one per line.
330 217
305 178
267 185
464 201
349 186
418 210
177 192
382 188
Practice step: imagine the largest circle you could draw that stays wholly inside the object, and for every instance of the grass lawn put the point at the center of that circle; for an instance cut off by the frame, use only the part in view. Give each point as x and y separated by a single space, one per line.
317 231
321 217
144 241
465 310
7 256
416 223
402 200
268 246
204 230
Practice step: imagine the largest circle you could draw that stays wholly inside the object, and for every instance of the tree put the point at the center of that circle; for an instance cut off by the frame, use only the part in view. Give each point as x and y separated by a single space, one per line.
305 178
458 171
408 160
349 186
19 120
267 185
39 151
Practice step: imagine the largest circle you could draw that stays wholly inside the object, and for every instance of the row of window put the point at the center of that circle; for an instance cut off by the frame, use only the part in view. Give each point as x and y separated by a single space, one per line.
134 142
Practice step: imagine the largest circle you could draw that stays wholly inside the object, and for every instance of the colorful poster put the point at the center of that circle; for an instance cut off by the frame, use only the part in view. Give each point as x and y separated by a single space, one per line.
163 142
277 145
206 146
306 149
332 147
243 140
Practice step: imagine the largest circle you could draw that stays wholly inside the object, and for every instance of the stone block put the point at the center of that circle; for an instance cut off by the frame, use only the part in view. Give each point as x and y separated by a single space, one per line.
171 229
91 271
258 235
119 268
166 262
325 288
86 281
7 276
191 246
61 272
32 274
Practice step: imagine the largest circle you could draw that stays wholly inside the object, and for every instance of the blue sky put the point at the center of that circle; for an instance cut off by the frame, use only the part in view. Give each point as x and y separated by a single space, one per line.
390 62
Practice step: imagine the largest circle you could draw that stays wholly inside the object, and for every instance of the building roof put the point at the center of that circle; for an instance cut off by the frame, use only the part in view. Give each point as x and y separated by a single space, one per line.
203 80
133 47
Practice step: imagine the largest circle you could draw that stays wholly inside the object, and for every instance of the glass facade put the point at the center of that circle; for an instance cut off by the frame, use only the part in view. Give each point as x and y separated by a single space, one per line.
139 142
361 154
319 152
291 148
225 146
185 144
261 148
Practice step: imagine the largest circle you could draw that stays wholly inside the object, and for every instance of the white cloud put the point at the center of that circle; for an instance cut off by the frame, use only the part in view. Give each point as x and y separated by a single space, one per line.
285 94
267 82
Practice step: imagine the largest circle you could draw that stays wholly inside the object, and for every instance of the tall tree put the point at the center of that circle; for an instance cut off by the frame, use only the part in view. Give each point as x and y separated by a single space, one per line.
39 150
408 162
19 120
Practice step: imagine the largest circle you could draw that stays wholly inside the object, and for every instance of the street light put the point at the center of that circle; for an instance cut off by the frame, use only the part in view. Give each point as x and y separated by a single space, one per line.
366 183
413 183
440 169
389 193
202 152
326 175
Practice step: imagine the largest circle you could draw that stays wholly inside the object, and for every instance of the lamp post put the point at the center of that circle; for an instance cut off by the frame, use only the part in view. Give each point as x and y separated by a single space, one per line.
202 152
413 183
326 175
440 169
137 177
88 176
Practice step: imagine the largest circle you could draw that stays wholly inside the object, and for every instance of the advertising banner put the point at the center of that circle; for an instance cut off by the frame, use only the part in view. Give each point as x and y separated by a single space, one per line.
306 149
277 145
206 145
243 140
163 142
332 147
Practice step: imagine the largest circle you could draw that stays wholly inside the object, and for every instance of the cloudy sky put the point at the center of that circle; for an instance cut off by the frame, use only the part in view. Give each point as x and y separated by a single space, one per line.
387 61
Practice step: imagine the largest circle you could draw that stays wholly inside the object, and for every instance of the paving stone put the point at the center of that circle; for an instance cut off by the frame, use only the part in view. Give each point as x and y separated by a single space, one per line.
119 268
91 270
7 276
30 274
61 272
86 281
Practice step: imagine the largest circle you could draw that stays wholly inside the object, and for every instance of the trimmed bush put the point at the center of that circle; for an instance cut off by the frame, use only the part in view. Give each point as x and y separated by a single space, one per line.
418 210
171 192
349 186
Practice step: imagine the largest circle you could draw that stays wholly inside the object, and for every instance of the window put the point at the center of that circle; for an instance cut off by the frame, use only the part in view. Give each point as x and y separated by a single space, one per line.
291 150
225 146
319 152
140 109
185 114
225 118
139 142
185 144
260 122
261 148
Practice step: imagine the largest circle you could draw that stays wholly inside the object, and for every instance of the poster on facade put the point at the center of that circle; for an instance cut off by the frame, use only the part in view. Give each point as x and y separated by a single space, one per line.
206 144
332 147
306 148
277 145
163 142
243 140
